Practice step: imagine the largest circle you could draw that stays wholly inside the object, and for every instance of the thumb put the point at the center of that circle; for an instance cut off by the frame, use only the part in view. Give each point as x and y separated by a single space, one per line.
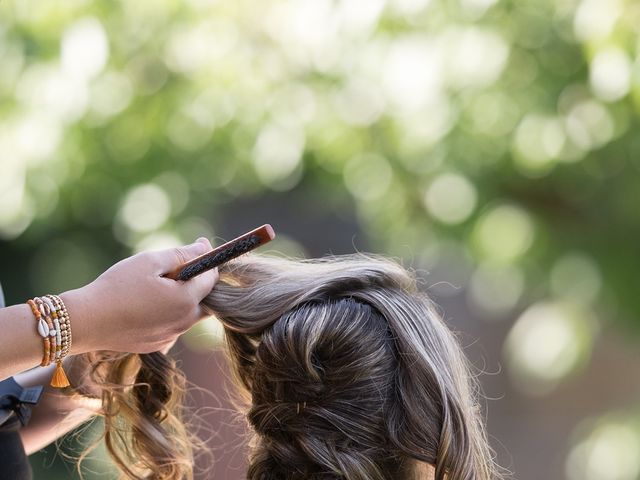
189 252
170 259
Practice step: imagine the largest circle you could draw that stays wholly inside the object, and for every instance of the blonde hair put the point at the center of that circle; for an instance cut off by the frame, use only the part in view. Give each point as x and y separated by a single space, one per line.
145 430
346 369
348 372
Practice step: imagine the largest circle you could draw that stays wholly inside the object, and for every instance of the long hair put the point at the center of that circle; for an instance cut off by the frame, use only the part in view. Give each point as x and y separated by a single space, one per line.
348 372
145 429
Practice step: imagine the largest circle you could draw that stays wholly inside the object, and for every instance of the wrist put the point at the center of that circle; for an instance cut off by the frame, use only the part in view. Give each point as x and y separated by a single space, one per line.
82 314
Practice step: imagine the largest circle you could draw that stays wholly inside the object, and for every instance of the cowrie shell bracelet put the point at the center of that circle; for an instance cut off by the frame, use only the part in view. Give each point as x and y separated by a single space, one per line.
54 326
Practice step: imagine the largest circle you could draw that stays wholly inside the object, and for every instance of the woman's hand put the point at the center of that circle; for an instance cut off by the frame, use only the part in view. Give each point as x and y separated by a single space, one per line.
132 308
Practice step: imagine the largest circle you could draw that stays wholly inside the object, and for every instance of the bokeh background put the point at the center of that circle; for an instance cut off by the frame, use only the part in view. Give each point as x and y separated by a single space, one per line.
490 144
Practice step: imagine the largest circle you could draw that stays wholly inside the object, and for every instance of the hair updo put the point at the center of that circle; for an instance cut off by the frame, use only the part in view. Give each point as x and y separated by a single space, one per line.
315 396
348 372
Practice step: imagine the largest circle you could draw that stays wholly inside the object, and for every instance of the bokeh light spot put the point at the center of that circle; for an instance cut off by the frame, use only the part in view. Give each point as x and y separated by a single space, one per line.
47 88
547 343
111 93
589 125
277 154
609 452
474 57
158 241
368 176
145 208
450 198
610 74
359 103
503 233
409 8
413 73
594 19
496 288
575 276
538 142
85 48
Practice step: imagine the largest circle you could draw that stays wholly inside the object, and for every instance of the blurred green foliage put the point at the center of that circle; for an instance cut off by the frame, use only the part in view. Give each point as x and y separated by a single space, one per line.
499 137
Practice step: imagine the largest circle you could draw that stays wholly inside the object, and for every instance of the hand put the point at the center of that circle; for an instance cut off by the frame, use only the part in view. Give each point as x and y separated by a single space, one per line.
132 308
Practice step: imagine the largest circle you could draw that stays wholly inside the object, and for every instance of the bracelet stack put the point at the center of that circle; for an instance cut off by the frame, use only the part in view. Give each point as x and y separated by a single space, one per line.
54 326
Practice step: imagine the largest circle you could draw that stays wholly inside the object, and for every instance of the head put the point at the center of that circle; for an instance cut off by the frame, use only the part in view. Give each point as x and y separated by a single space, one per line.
348 373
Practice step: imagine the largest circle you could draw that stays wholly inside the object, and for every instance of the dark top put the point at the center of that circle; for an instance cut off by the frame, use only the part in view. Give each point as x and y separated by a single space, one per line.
14 464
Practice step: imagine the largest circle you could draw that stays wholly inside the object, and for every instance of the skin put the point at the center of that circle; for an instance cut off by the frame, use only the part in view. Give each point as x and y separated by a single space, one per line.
129 308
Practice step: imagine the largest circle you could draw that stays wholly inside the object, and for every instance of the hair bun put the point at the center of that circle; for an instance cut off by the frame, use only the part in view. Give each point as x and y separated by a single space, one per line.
315 404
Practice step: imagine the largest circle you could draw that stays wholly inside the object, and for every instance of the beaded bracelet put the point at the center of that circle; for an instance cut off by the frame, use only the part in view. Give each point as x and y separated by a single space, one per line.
60 312
54 326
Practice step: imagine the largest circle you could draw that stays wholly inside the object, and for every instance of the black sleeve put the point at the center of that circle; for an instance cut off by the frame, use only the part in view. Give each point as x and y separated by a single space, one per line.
14 464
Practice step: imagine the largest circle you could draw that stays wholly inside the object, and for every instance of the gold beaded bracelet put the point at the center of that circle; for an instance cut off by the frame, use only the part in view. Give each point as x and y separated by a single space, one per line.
54 326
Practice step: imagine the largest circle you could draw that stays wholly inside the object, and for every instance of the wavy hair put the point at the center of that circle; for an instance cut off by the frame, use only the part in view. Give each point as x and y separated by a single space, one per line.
348 373
346 370
145 430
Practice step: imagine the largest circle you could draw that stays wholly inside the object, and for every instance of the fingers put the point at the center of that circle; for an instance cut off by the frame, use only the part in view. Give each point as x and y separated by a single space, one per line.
202 284
167 260
199 286
189 252
205 241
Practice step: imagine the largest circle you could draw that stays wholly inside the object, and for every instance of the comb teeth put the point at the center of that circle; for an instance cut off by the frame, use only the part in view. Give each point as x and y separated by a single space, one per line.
233 251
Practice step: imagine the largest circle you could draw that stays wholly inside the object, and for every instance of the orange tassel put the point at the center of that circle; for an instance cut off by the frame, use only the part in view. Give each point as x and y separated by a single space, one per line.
59 379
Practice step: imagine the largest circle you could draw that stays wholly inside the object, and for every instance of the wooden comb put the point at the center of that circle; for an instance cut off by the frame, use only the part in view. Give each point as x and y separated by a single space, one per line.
222 254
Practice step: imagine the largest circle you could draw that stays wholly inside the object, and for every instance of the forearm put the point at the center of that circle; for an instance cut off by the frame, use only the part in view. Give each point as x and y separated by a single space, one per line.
22 347
57 413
